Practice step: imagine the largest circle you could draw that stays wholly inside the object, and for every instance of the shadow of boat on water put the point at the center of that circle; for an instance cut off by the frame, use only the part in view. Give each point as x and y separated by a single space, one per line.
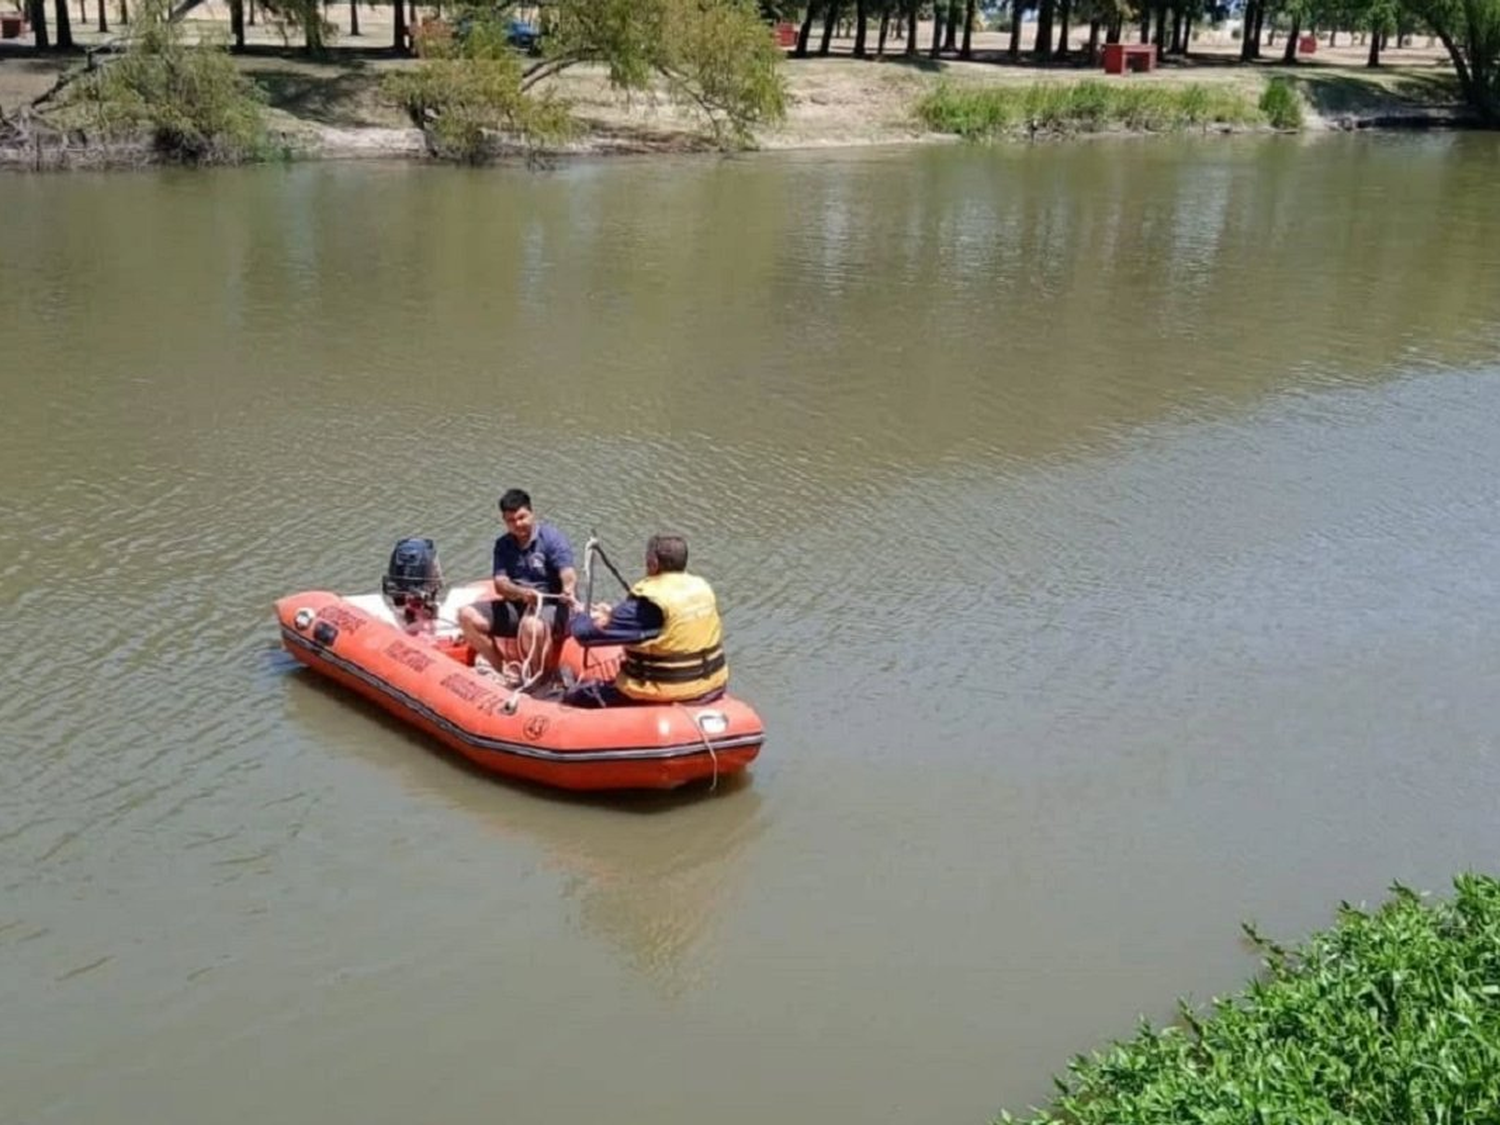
651 871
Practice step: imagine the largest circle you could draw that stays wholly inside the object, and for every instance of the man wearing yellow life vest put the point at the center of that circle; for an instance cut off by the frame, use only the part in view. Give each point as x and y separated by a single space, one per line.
669 625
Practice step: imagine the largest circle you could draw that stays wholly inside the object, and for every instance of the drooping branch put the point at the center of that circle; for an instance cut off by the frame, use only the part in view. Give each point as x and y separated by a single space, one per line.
545 69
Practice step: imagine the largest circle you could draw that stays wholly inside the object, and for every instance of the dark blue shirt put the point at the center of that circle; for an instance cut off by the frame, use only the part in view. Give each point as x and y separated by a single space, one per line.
539 564
632 621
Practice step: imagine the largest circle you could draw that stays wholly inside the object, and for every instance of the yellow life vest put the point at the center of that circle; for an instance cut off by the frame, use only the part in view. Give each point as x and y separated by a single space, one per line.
686 660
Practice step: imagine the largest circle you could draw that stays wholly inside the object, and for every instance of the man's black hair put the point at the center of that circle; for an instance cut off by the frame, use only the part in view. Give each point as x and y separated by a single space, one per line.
514 500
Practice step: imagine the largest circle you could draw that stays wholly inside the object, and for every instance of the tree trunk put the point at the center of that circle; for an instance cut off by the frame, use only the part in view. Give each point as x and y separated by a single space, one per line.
1160 39
1187 35
830 18
1115 30
1042 48
250 12
399 37
1146 25
950 32
1178 47
936 49
911 29
1374 59
1247 25
237 23
860 17
1260 23
1333 39
967 50
1289 56
1063 19
124 12
64 40
353 17
805 31
103 20
1091 52
885 27
1014 50
39 23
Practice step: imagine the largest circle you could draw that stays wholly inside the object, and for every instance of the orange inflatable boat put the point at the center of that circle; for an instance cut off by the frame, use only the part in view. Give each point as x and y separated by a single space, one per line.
425 675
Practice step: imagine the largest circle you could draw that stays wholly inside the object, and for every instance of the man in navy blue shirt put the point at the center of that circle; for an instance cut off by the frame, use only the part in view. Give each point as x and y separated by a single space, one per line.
535 582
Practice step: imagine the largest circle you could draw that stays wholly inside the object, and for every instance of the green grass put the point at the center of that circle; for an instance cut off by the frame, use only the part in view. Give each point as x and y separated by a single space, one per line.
1387 1017
1281 104
1090 106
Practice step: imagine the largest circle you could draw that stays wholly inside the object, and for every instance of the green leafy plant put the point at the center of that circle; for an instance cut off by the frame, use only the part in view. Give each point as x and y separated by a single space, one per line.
714 56
1281 105
1470 32
189 99
1388 1016
468 88
977 112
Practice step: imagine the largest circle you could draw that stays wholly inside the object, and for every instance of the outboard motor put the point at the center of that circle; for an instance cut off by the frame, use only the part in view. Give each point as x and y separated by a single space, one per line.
413 583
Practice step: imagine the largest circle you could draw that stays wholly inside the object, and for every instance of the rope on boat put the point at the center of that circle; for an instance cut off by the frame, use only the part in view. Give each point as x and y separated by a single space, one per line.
713 755
523 672
590 549
522 668
595 547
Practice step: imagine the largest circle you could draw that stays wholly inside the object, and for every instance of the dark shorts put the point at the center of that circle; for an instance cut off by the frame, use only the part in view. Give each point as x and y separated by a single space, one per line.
505 617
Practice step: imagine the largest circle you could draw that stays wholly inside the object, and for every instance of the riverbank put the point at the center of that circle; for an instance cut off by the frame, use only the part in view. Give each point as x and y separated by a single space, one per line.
335 108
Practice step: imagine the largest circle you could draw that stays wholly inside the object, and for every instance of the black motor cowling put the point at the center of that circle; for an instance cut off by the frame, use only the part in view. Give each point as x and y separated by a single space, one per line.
413 583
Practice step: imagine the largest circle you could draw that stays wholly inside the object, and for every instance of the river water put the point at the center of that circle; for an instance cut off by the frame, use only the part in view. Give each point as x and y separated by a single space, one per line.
1109 536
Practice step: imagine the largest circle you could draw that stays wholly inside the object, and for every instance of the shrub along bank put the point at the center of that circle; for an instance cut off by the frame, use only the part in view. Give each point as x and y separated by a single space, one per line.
1390 1016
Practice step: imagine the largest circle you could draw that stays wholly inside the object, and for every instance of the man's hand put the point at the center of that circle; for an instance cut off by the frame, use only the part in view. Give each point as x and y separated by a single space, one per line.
600 614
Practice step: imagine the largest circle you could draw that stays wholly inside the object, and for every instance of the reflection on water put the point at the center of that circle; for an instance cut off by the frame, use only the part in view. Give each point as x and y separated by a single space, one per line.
652 874
1105 534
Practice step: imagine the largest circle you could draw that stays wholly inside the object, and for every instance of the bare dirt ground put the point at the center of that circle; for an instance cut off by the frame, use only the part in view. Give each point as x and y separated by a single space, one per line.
335 106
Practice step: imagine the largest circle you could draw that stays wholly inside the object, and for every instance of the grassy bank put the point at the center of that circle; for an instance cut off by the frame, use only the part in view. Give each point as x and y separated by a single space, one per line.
1090 106
337 106
1390 1016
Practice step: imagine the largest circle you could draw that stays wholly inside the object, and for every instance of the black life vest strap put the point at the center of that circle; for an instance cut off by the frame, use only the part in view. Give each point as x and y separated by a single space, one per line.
676 668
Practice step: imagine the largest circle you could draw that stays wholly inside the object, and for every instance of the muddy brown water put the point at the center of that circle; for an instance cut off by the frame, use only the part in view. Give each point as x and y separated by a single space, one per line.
1108 535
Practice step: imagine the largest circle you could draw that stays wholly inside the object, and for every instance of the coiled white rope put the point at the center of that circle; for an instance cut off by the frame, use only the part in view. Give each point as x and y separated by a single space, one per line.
713 755
526 678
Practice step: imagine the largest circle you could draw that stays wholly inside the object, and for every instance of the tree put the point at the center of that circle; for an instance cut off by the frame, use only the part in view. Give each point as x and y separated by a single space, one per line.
1045 12
1470 32
800 51
38 15
713 56
308 15
830 20
187 98
1380 17
64 40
